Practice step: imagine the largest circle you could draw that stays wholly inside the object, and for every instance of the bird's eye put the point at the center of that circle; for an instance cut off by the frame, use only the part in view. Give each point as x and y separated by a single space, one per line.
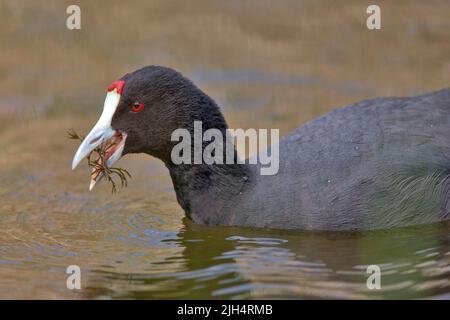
137 107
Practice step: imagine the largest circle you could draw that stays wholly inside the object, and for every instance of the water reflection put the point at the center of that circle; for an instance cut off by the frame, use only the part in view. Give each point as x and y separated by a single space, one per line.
244 263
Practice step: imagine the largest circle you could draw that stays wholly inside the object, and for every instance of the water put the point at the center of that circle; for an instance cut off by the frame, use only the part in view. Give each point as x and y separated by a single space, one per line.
131 250
236 263
269 65
136 244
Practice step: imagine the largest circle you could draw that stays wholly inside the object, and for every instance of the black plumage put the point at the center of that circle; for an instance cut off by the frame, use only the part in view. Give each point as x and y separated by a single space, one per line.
378 163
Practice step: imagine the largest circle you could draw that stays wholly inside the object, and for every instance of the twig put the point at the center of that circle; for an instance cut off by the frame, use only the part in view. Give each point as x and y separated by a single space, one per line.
99 167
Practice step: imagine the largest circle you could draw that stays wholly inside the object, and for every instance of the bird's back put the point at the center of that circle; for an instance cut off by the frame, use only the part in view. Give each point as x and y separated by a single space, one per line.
379 163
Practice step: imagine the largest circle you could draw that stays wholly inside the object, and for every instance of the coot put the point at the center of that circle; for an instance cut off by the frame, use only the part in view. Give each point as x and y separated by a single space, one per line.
379 163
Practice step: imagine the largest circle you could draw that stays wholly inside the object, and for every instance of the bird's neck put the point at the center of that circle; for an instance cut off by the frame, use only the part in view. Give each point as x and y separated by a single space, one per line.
206 192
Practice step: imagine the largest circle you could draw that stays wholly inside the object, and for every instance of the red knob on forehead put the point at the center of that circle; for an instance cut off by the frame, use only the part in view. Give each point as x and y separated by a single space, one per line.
117 85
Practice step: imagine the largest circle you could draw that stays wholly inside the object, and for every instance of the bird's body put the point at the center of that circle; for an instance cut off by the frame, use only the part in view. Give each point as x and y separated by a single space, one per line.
380 163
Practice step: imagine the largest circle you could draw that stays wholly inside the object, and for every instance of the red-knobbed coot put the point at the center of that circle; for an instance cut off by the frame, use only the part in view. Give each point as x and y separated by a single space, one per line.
379 163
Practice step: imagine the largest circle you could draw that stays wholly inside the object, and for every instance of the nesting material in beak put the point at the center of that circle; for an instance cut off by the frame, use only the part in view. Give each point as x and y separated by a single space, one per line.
109 152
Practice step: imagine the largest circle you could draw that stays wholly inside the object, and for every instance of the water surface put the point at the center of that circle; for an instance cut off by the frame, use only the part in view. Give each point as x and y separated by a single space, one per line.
268 65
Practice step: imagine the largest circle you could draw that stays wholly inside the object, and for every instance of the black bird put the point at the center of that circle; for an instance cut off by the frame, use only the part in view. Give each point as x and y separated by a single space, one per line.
379 163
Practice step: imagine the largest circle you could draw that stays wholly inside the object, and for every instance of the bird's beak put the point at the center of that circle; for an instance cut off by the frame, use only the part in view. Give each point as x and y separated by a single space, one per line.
103 133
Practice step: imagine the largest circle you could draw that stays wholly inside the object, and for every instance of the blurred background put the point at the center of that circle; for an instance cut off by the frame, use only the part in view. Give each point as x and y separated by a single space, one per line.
268 64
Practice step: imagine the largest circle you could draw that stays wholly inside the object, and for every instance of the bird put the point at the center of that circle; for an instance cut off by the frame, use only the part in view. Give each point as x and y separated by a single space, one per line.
380 163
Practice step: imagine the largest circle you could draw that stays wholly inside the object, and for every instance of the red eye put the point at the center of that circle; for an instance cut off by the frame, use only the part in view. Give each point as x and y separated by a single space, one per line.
137 107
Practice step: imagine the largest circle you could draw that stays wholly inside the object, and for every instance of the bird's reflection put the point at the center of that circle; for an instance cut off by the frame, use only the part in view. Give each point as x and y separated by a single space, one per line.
223 262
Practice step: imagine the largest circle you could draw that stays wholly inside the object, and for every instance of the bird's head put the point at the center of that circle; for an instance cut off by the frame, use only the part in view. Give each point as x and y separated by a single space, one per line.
141 111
